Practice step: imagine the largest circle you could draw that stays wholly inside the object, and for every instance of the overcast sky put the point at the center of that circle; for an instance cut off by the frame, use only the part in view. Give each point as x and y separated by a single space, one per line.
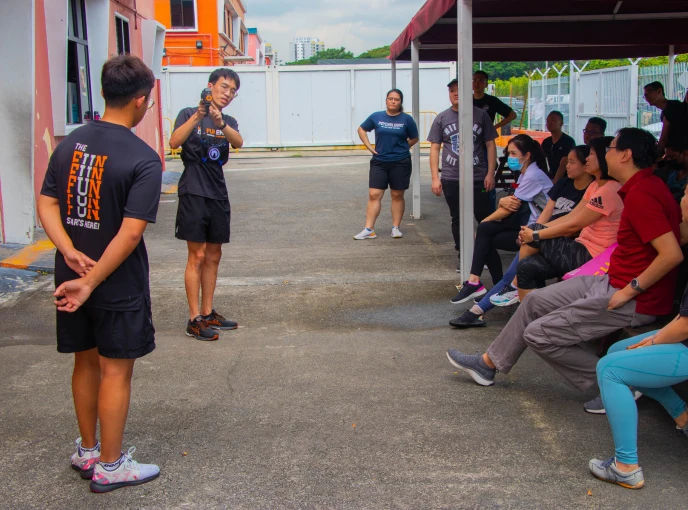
358 25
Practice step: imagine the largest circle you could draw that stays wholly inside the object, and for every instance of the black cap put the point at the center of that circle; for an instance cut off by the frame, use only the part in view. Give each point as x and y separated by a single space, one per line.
452 83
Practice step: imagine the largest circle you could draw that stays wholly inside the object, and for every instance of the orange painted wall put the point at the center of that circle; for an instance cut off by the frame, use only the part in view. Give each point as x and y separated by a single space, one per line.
181 45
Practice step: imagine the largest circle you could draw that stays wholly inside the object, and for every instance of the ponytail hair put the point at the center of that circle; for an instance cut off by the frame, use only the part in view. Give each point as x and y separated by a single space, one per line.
525 144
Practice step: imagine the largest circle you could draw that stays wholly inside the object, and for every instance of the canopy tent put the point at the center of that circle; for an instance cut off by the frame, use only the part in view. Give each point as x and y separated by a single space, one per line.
505 30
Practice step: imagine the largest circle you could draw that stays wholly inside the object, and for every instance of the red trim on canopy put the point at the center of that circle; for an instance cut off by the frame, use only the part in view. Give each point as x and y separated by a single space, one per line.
424 19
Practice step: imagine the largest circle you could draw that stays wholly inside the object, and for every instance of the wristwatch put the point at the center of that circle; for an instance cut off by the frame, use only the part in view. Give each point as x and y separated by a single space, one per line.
536 236
636 286
224 125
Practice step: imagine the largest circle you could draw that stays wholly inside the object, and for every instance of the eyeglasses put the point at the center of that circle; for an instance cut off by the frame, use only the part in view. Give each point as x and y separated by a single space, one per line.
151 104
591 132
610 147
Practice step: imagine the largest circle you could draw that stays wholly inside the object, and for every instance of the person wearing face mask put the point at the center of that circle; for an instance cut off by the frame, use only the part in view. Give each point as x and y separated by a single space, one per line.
500 229
552 252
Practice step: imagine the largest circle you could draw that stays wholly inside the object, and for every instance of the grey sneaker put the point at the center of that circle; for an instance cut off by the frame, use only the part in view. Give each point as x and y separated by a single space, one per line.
596 406
606 470
474 365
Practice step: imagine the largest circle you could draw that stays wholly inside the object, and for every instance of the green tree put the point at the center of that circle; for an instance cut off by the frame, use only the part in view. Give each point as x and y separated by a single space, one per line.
381 52
325 54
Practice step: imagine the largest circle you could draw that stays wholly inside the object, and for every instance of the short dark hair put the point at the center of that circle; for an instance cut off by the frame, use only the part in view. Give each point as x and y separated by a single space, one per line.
655 85
599 145
452 83
525 143
401 96
598 121
581 152
223 72
557 113
124 78
482 73
642 144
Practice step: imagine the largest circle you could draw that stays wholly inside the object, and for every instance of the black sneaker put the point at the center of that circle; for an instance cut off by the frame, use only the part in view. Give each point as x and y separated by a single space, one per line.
468 291
468 319
199 329
217 321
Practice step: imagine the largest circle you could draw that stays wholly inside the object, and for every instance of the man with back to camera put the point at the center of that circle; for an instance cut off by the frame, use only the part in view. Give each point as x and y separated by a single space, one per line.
557 146
444 134
203 215
100 191
491 104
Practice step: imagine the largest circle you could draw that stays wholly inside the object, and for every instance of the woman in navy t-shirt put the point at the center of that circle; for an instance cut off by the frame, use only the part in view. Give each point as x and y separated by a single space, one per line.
395 134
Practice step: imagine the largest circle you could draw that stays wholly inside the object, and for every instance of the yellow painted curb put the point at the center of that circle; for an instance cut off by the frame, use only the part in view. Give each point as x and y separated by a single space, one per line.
28 255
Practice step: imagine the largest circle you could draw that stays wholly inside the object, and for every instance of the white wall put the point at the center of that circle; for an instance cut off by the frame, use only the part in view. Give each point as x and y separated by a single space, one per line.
293 106
16 128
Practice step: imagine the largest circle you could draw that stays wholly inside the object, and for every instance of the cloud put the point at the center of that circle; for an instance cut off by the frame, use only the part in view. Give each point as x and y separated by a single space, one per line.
358 25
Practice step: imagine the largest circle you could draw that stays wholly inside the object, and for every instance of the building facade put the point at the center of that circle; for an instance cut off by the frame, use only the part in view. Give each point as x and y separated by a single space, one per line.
305 47
52 53
256 47
203 32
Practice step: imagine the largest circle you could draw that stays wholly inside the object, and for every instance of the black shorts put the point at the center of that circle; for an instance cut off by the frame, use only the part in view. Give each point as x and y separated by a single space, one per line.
202 219
395 174
116 334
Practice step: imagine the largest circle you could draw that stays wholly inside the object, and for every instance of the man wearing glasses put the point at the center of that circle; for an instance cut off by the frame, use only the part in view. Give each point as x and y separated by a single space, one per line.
205 134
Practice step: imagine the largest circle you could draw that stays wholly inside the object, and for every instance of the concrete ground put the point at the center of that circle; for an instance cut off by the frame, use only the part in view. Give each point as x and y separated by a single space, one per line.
335 392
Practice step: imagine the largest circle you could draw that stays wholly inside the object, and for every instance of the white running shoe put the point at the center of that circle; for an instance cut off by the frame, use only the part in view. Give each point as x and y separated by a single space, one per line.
366 233
507 297
127 472
396 233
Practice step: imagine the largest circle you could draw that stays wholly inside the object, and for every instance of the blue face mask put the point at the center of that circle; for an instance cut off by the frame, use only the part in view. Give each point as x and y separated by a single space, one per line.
513 163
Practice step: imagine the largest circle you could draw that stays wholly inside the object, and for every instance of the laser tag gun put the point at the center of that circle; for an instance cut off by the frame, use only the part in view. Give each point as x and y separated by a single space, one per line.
206 97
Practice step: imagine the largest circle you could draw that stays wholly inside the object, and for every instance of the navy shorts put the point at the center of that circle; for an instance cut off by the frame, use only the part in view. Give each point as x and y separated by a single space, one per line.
116 334
202 219
395 174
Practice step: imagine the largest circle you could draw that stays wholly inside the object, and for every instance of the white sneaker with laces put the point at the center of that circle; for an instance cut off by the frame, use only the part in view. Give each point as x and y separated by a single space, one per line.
128 472
366 233
507 297
396 233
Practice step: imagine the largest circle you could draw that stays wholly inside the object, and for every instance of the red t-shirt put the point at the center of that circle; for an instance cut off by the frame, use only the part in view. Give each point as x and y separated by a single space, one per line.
649 212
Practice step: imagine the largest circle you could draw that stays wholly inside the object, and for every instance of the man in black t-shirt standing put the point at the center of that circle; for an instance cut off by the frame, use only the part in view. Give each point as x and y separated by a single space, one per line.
557 146
203 216
100 191
674 116
491 104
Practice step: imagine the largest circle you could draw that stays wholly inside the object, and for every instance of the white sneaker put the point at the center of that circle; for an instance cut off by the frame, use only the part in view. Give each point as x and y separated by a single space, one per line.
127 472
366 233
507 297
396 233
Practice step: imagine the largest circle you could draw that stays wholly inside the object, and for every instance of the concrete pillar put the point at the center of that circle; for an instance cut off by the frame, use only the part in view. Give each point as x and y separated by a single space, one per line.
415 154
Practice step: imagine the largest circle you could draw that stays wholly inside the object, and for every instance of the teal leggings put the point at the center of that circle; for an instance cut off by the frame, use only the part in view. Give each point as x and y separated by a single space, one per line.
651 370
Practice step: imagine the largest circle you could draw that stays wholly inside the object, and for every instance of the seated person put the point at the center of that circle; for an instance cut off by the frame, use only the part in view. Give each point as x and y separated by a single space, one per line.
563 197
673 169
551 252
560 321
650 363
500 229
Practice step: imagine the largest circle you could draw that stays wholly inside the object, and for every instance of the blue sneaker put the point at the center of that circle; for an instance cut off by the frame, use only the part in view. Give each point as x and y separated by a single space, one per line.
474 365
606 470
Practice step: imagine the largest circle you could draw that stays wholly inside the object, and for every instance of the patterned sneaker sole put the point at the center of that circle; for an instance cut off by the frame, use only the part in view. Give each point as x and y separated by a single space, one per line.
107 487
617 482
505 303
202 338
86 474
474 375
476 294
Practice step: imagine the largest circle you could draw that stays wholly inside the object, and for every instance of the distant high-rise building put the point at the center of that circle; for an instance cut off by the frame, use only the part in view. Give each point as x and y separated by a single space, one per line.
305 47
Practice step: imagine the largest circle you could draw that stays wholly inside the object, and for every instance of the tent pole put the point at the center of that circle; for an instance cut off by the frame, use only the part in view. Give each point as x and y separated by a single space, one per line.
464 60
670 81
394 74
415 155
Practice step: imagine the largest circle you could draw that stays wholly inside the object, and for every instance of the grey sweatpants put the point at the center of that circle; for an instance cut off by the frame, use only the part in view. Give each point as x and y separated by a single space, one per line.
558 322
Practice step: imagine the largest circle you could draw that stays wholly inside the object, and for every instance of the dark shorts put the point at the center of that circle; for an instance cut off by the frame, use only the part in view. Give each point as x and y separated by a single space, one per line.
395 174
202 220
557 257
116 334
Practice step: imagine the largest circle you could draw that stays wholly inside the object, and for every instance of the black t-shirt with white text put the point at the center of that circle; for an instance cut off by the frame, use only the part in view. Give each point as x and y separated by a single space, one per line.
492 105
565 196
204 153
102 173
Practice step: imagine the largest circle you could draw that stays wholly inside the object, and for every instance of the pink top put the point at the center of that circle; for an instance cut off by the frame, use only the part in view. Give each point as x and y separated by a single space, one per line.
601 234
